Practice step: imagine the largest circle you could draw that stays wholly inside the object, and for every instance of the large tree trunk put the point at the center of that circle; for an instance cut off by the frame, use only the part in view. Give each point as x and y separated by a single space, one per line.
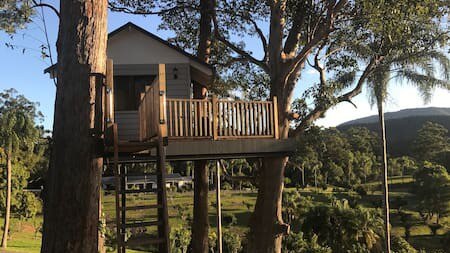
387 232
71 215
200 223
266 225
8 197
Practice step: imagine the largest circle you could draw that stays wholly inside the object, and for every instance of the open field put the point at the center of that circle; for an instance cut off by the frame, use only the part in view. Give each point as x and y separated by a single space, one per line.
240 204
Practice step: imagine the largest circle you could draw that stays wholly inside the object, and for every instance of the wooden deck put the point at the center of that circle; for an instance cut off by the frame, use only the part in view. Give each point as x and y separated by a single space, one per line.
188 150
197 128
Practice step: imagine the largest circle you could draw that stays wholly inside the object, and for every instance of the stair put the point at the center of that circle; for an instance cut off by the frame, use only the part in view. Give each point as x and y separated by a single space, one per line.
121 192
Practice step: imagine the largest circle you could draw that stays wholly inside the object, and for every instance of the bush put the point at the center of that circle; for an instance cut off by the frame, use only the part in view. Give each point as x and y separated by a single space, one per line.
179 239
295 243
400 245
229 219
361 191
231 242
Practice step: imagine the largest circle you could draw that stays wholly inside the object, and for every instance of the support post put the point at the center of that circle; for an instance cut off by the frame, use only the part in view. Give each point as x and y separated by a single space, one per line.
219 209
215 110
275 117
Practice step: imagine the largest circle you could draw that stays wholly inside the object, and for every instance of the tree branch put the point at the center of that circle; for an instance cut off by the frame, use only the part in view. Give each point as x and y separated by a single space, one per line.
321 109
114 7
241 52
322 32
36 4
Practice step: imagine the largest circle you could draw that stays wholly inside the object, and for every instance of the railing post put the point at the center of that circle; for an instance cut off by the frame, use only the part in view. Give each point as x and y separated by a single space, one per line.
215 115
162 101
109 102
275 117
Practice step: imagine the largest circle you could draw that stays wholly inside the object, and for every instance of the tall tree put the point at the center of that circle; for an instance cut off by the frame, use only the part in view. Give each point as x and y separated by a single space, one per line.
297 29
14 14
71 201
432 188
431 139
18 131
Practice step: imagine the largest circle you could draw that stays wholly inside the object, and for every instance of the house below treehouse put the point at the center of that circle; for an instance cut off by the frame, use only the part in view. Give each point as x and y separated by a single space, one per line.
196 128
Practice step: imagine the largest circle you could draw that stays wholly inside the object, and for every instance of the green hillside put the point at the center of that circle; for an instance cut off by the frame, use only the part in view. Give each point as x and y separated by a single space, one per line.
401 130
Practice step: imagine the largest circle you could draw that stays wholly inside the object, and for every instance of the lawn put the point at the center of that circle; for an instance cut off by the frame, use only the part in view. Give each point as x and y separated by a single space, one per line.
26 239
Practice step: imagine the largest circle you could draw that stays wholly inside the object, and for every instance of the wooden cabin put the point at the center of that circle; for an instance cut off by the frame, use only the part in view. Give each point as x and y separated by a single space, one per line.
149 72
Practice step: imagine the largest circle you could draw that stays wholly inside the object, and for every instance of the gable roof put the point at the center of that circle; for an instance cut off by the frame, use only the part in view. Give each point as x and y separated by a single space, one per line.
150 35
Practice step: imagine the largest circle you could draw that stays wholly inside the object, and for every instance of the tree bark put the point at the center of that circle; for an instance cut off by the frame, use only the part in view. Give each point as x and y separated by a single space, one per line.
200 223
266 224
71 215
8 196
387 232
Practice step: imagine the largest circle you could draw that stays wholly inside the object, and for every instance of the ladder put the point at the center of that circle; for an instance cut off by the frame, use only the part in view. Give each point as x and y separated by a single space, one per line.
121 191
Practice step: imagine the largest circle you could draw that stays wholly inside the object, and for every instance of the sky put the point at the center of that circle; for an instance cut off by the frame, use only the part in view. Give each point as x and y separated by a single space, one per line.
22 69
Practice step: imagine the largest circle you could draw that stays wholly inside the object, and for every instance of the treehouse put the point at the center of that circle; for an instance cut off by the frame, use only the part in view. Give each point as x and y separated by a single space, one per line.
150 114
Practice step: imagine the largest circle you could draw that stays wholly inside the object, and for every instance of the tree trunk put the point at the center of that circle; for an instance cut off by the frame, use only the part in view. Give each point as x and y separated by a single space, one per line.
8 196
200 223
387 231
71 215
266 224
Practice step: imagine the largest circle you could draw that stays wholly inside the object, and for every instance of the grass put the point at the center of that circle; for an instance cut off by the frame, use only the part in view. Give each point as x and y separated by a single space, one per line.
240 204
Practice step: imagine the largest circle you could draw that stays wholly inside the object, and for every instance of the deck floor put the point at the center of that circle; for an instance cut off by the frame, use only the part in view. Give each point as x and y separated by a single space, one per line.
207 149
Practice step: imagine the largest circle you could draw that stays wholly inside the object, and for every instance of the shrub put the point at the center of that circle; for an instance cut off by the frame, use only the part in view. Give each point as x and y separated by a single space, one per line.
361 190
400 245
231 242
229 219
180 238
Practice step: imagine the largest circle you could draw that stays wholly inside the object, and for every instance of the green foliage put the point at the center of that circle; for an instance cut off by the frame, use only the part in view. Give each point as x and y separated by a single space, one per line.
296 243
431 140
180 238
232 242
14 14
229 219
341 227
432 188
19 140
400 245
332 157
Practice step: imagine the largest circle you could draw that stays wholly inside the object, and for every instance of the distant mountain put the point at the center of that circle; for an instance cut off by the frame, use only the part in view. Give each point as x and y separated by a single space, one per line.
402 126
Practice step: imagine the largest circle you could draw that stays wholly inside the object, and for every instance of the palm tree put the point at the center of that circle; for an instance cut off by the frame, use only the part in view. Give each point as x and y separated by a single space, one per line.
419 70
17 131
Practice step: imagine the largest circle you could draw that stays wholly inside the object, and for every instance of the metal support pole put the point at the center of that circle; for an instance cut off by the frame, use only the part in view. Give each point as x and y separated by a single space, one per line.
219 209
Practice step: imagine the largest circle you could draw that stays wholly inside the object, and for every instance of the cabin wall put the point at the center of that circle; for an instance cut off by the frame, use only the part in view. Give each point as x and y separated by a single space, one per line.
178 81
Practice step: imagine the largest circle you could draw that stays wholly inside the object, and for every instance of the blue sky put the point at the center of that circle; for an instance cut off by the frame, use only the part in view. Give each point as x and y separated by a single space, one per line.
24 71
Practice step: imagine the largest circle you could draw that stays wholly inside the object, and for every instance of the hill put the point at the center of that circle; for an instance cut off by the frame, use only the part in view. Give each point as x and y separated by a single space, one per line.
402 126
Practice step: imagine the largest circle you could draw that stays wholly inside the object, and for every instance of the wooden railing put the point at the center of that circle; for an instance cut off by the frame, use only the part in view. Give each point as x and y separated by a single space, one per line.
189 118
221 119
152 108
196 118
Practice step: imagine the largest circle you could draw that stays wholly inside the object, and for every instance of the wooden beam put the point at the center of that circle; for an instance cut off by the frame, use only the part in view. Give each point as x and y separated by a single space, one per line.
162 100
275 116
215 116
109 92
219 209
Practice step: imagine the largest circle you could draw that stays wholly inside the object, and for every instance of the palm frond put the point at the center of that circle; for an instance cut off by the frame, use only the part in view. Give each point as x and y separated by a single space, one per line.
424 83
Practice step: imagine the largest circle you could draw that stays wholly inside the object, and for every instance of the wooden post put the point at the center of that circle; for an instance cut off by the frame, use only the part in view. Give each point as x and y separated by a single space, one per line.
219 209
117 186
109 92
275 117
162 100
163 230
109 104
215 116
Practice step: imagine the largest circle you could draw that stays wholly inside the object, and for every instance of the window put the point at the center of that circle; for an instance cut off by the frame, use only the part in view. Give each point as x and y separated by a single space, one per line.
127 91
